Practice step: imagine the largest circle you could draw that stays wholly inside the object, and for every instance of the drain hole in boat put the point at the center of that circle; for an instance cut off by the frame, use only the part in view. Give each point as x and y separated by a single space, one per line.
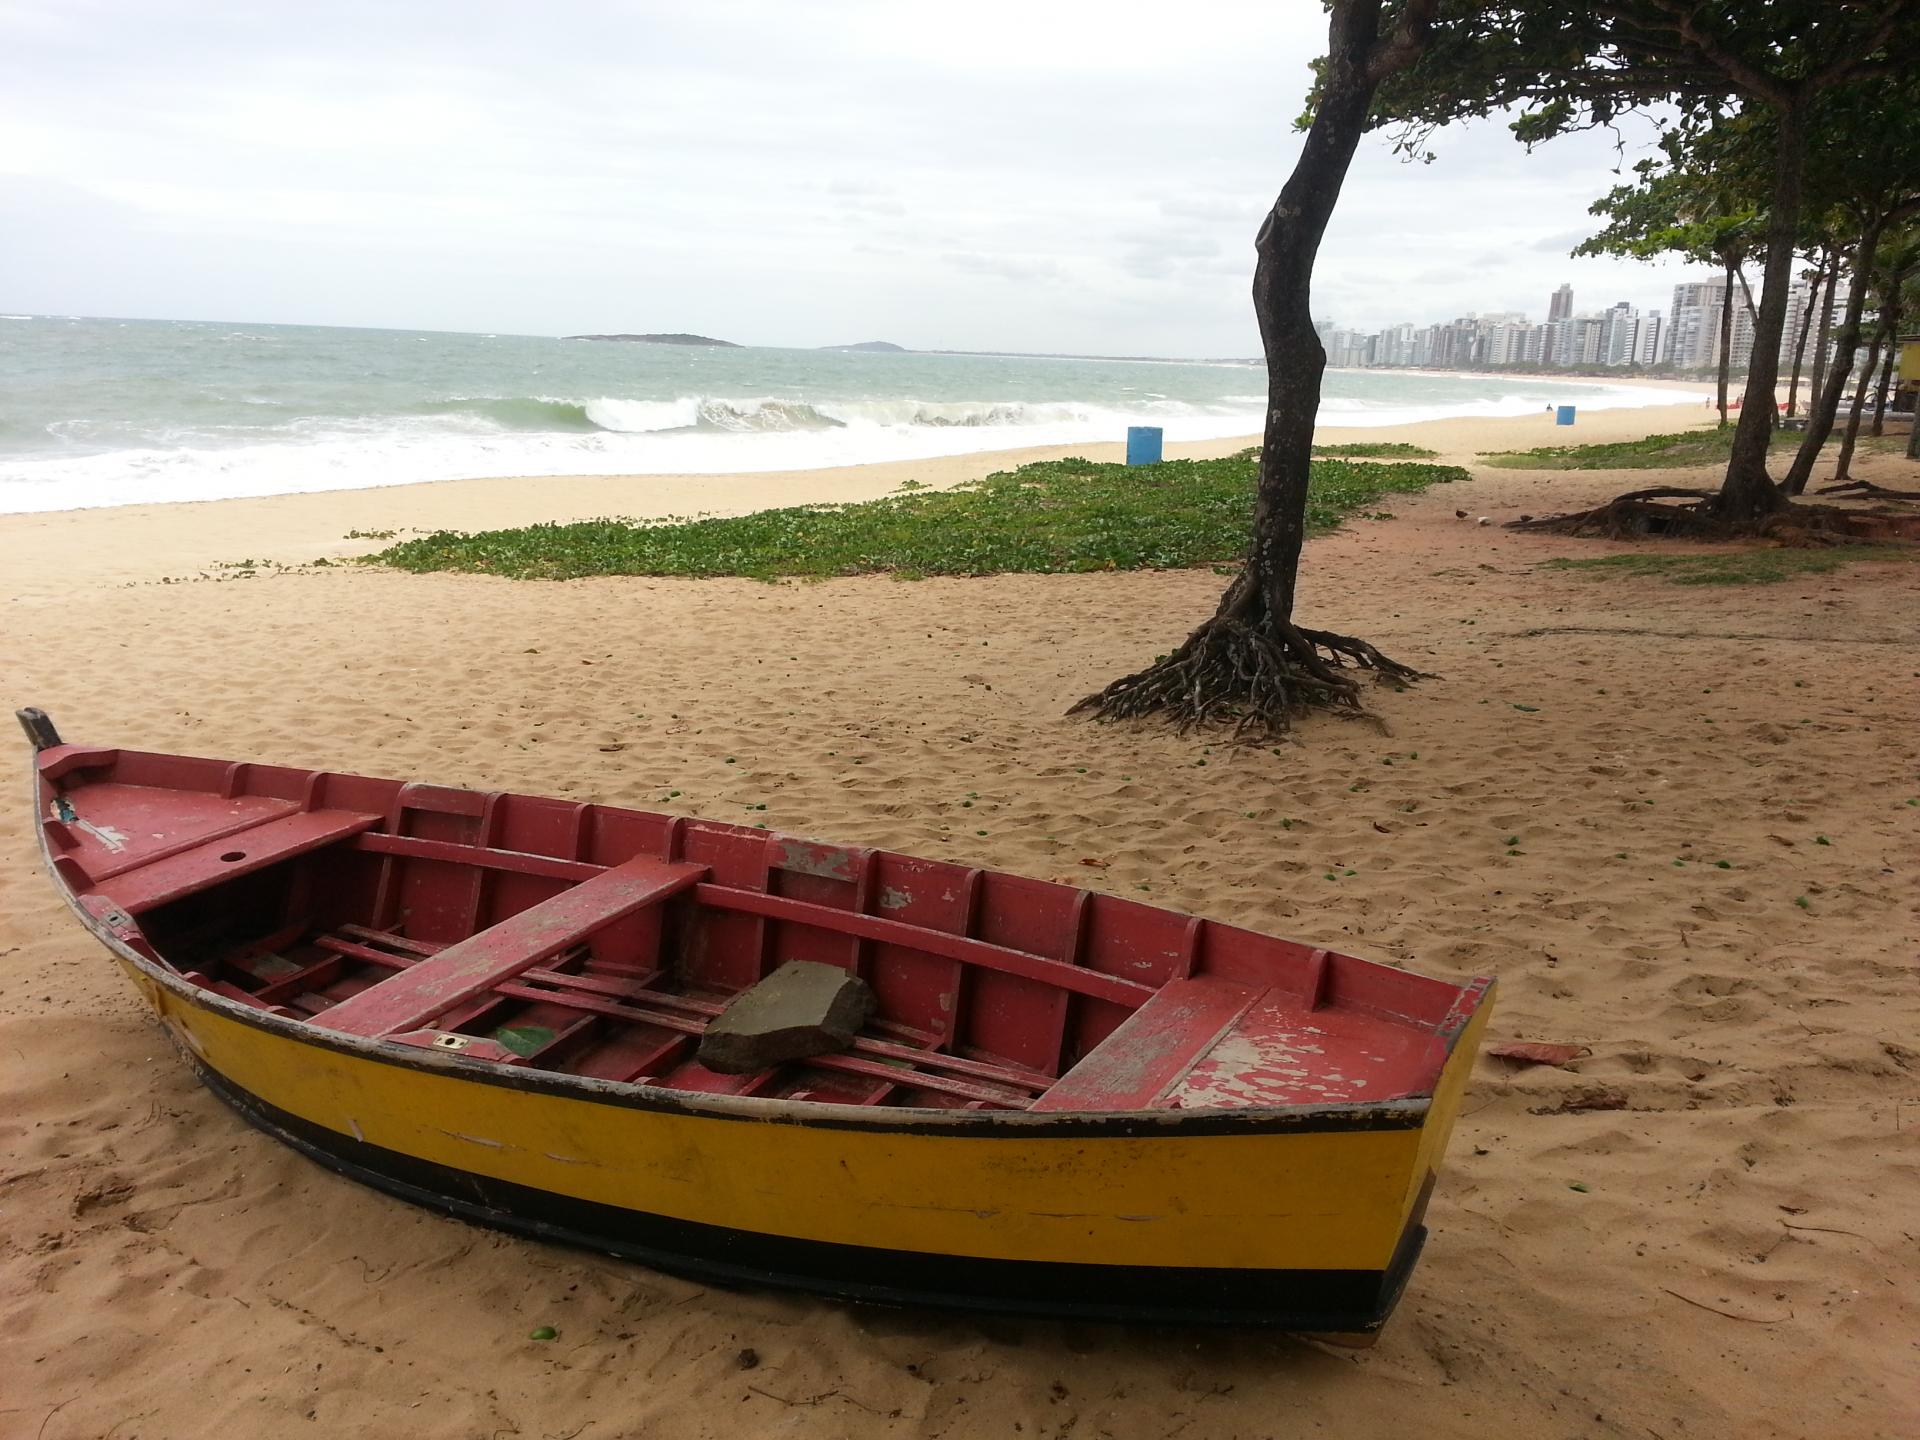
233 855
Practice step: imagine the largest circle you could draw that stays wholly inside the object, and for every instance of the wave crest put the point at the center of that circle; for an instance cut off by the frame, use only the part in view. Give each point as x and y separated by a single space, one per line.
720 414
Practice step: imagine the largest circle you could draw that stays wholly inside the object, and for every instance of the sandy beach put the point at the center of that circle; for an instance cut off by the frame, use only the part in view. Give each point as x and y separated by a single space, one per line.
1679 823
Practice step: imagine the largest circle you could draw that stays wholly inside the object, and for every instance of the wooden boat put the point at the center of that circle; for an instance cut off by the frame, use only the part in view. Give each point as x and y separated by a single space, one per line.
1065 1103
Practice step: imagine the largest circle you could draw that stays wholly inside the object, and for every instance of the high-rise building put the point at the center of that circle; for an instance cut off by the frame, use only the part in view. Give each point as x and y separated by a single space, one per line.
1618 325
1561 306
1646 340
1694 324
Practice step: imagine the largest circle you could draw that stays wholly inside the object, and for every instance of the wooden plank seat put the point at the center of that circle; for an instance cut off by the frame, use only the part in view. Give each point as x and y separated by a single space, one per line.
685 1017
1154 1048
217 861
487 960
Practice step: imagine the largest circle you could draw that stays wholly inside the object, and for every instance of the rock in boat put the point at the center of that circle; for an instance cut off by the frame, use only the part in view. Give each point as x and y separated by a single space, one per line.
1062 1103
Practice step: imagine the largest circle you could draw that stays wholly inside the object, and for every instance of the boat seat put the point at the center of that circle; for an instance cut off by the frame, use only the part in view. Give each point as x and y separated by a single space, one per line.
471 967
173 877
1154 1048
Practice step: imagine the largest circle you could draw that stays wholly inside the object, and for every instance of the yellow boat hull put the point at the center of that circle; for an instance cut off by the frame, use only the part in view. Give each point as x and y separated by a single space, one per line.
1308 1218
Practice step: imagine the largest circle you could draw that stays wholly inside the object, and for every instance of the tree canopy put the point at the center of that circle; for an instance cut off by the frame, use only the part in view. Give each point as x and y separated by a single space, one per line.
1763 84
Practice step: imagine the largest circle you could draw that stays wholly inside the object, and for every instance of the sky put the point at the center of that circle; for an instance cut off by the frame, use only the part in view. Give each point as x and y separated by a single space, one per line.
1047 175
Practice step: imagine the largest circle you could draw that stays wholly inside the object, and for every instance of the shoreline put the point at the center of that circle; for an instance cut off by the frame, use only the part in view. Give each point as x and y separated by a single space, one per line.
626 440
46 551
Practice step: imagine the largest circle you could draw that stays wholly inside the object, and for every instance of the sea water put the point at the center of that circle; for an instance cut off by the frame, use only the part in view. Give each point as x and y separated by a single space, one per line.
121 412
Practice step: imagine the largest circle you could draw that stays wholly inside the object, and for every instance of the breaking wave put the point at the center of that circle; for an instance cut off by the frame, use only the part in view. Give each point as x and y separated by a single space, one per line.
718 414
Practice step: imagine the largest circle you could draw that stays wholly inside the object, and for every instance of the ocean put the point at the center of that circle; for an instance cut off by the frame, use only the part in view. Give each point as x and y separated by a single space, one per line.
121 412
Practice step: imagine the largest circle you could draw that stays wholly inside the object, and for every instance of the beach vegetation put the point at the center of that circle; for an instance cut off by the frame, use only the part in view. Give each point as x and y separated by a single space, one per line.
1671 451
1053 517
1759 565
1376 450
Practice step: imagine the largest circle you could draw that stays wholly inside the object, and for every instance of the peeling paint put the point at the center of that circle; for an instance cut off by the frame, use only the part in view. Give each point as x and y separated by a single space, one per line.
114 840
185 1036
830 862
475 1139
892 899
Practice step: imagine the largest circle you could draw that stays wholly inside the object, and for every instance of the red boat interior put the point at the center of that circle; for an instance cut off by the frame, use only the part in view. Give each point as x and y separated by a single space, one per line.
599 942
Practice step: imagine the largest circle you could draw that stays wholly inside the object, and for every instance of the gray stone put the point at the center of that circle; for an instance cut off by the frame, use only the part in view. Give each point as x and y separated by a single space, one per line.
802 1009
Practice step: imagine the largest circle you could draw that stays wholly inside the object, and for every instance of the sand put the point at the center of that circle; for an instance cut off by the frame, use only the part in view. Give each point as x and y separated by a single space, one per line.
1553 808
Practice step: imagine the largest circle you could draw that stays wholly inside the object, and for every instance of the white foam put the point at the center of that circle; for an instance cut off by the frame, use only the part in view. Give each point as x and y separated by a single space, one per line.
689 435
641 417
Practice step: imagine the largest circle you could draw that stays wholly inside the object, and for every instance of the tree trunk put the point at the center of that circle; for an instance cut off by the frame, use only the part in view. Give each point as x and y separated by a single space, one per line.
1827 405
1748 491
1843 469
1726 341
1824 345
1889 327
1250 665
1880 391
1806 323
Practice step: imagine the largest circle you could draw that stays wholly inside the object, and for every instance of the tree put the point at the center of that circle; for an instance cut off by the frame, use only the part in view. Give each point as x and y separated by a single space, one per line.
1250 664
1867 176
1570 66
1825 271
1905 261
1900 259
1684 203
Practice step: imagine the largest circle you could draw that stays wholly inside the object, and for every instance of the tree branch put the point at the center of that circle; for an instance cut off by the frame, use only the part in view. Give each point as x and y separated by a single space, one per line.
1409 38
1748 77
1854 61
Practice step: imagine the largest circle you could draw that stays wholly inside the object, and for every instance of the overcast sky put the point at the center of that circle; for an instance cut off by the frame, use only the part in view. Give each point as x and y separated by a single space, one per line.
1034 175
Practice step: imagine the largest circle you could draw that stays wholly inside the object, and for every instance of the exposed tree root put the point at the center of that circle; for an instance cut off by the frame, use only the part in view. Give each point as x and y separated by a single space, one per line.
1867 490
1636 514
1639 514
1256 678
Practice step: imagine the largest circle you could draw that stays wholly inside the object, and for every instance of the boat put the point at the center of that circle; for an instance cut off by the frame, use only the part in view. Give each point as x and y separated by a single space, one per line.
1061 1103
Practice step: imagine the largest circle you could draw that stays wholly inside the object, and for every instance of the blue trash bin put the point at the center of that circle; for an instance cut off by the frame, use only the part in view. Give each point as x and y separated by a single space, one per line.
1143 444
1564 415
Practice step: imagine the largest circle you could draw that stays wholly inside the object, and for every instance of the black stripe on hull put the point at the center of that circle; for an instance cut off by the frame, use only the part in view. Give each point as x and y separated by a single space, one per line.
1354 1301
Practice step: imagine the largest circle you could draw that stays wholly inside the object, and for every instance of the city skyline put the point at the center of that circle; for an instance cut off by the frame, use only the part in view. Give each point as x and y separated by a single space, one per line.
1685 334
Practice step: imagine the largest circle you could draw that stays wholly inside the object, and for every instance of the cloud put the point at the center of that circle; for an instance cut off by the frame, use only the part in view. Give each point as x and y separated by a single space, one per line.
1072 176
1004 267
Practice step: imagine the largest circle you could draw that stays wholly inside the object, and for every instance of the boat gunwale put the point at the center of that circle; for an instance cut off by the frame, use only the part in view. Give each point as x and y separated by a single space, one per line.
1404 1113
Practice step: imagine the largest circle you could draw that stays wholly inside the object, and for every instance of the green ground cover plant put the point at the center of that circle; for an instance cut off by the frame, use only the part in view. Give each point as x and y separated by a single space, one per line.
1376 450
1649 452
1052 517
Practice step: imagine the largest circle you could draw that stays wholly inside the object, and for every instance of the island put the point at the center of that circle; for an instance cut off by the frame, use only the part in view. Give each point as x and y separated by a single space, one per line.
885 347
663 340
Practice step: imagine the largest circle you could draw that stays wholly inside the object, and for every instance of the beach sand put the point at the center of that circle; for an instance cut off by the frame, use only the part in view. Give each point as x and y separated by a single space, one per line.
1704 1228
